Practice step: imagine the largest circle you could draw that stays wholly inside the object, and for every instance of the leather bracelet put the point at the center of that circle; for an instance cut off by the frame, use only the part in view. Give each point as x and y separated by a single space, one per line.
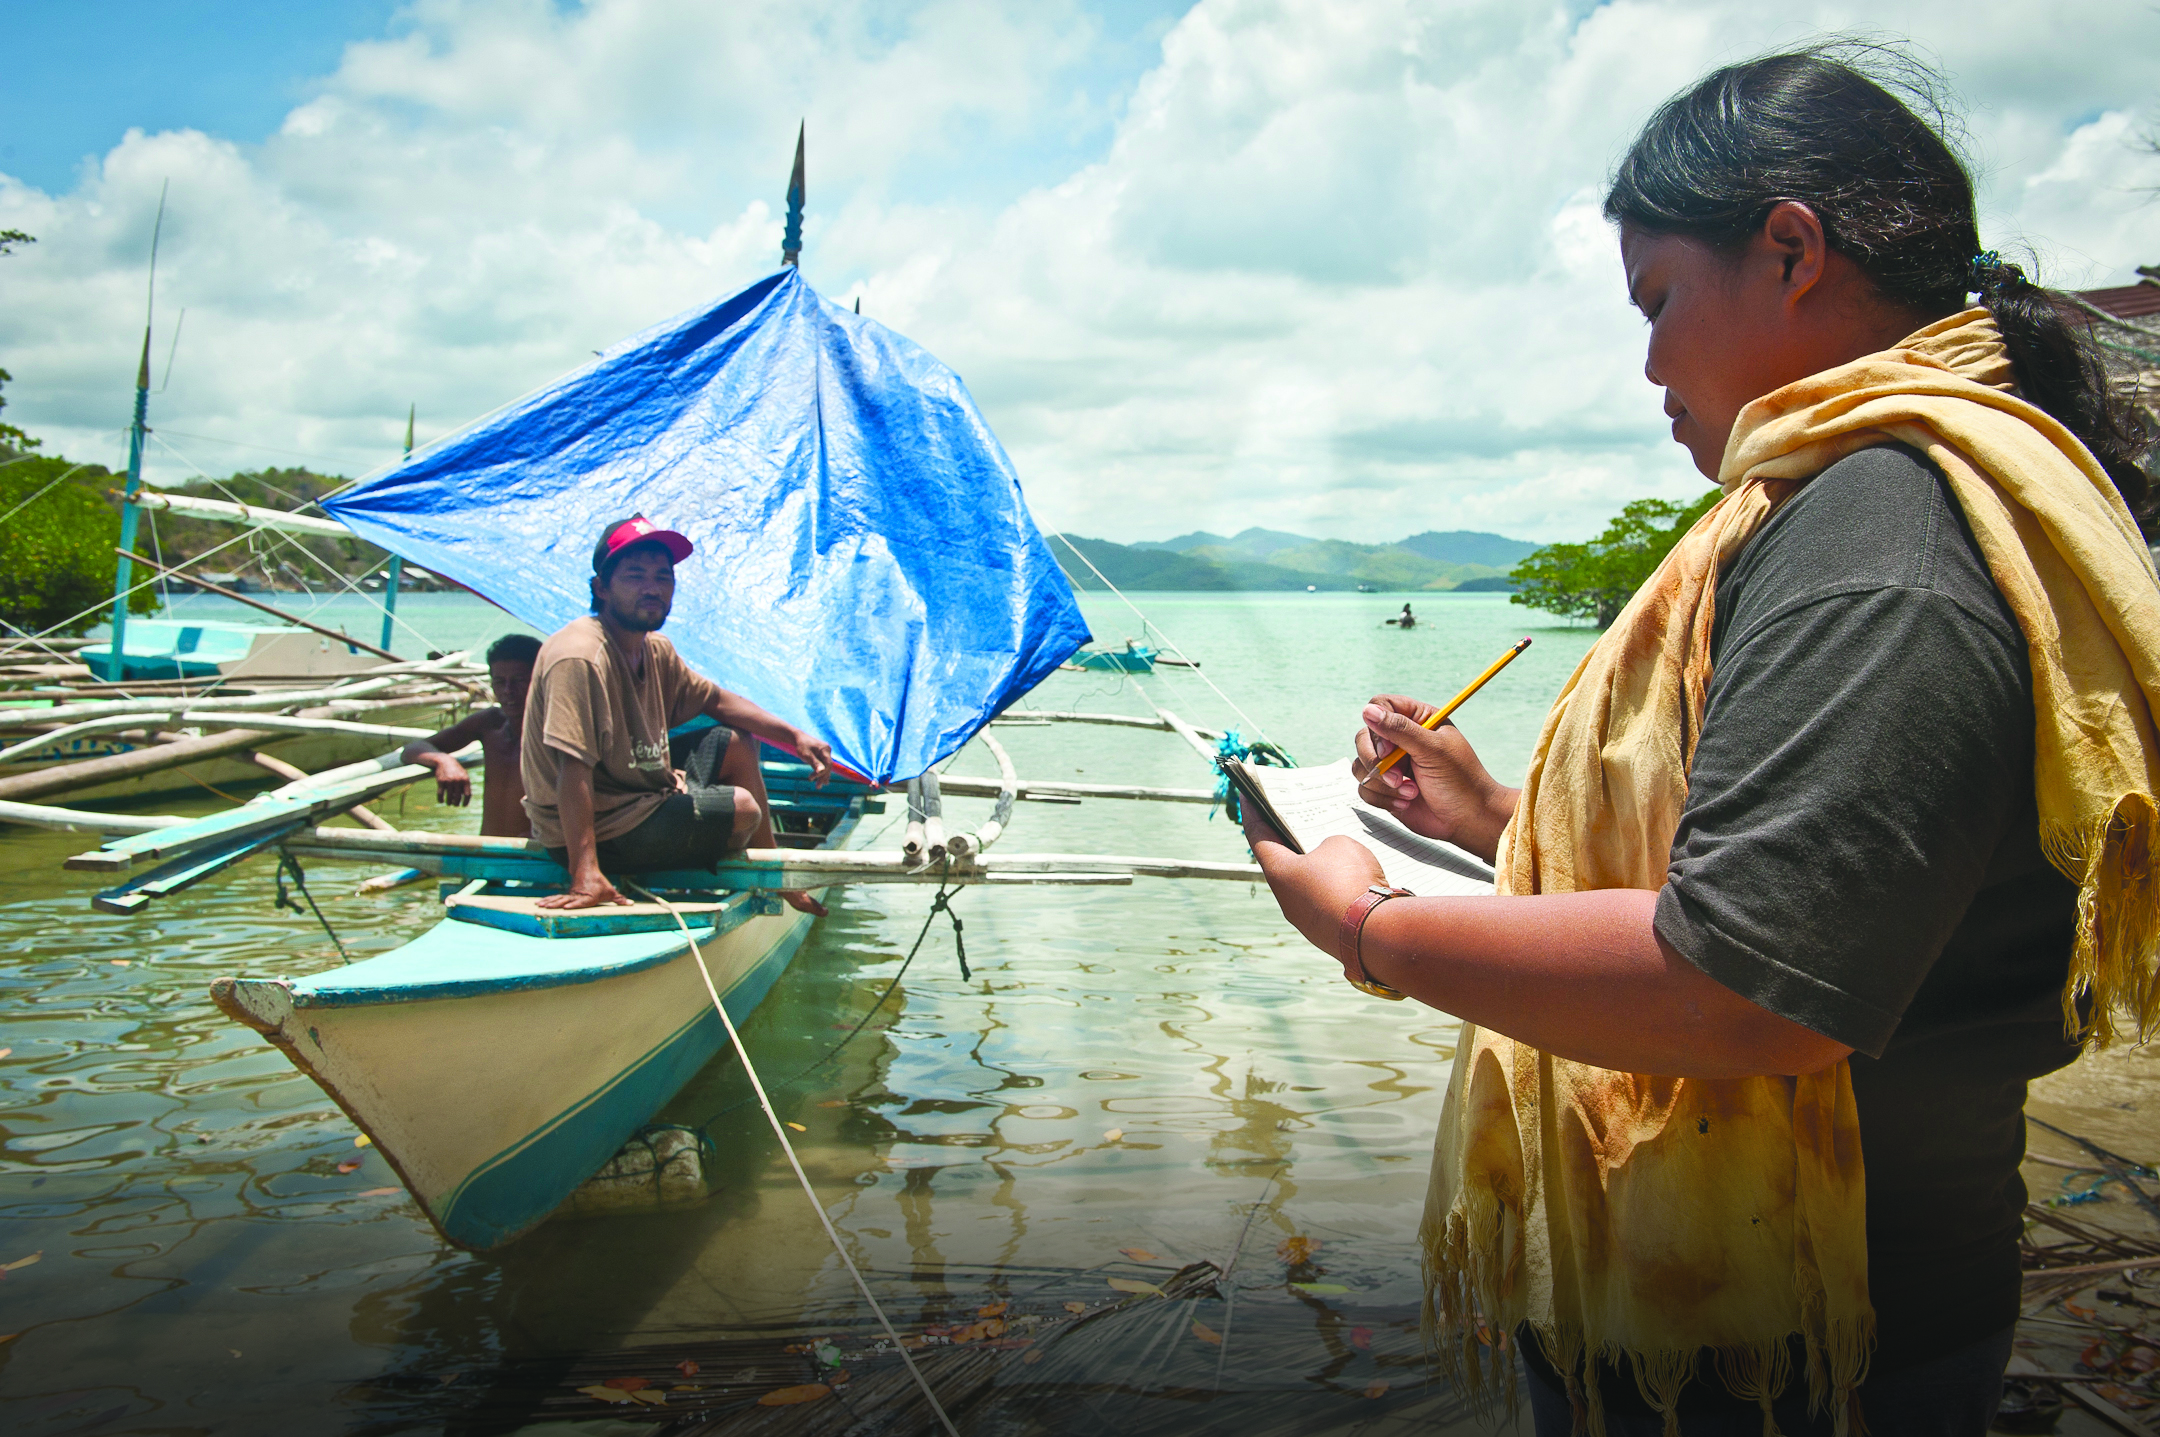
1350 943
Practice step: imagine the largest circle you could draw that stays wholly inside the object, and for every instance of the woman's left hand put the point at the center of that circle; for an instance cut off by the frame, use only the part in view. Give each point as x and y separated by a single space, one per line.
1315 889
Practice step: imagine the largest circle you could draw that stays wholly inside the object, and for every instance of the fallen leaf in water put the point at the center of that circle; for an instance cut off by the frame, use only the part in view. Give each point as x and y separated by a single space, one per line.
2123 1396
995 1309
363 1141
686 1387
650 1396
1034 1356
22 1262
448 1377
350 1166
234 1351
120 962
1206 1333
1139 1254
1135 1285
977 1331
5 1051
790 1396
382 1192
2138 1359
1296 1250
1377 1388
607 1394
1320 1289
2084 1313
1113 1134
9 1336
1361 1338
1076 1307
688 1367
840 1378
798 1127
628 1384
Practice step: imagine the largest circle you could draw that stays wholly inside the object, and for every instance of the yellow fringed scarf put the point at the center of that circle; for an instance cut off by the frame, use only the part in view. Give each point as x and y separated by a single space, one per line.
1642 1219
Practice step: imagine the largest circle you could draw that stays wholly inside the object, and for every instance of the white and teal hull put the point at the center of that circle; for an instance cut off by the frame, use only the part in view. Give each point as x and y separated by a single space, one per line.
497 1069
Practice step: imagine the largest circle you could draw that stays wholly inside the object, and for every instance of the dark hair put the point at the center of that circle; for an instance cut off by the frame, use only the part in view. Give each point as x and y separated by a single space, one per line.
514 649
1823 126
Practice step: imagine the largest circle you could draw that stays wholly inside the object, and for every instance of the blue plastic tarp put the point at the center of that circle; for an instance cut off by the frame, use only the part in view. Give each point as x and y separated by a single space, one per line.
865 567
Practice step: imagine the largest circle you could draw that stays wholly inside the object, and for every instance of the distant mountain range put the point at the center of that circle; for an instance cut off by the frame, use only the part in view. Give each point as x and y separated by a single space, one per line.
1263 559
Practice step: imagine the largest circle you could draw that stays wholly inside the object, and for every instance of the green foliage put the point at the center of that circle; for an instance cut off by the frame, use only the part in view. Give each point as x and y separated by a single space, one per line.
272 561
1595 580
10 436
57 535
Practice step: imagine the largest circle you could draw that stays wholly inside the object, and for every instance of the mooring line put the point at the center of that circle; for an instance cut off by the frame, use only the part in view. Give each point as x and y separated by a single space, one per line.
780 1132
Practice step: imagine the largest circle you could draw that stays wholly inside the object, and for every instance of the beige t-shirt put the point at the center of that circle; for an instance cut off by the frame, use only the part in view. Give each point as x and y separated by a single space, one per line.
586 703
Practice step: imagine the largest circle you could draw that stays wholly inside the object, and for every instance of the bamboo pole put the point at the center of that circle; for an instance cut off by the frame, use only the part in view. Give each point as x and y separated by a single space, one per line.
933 817
360 812
1191 735
915 840
182 718
99 708
1028 718
1055 790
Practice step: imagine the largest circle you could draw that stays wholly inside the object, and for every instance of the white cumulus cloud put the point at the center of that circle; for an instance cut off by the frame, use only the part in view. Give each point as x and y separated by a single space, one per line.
1326 265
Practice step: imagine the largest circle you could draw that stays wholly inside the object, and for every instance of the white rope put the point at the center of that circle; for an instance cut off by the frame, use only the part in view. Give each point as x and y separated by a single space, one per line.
278 536
780 1132
1149 623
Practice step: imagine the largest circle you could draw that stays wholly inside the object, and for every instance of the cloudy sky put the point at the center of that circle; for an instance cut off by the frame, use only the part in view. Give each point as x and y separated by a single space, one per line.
1332 266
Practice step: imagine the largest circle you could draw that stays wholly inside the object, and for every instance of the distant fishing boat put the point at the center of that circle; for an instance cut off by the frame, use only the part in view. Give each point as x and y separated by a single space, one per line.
1134 658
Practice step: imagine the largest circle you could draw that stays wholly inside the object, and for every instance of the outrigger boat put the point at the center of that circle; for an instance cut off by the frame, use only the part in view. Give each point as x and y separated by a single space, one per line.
866 568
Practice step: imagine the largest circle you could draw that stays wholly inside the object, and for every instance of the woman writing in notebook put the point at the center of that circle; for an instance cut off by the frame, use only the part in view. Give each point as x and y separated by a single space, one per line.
1836 838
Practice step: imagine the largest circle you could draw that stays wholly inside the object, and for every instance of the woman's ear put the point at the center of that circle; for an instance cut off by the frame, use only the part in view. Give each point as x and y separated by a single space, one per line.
1792 234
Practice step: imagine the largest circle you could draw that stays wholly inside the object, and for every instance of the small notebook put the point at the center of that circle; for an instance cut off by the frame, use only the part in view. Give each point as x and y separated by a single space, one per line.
1311 805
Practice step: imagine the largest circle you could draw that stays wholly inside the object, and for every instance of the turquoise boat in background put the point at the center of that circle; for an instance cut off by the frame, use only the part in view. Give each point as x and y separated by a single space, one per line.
207 649
1134 658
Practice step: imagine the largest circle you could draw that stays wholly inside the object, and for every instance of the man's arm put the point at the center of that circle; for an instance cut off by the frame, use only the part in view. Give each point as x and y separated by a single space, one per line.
453 785
589 887
743 716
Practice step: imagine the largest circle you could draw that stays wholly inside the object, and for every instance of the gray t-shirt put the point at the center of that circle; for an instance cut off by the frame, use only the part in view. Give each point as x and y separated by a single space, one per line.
1860 854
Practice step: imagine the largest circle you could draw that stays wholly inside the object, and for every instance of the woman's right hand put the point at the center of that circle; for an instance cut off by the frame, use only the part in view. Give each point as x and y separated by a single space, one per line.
1438 788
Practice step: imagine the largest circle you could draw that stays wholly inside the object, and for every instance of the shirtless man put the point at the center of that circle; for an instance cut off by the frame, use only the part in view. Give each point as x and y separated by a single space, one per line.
501 732
599 786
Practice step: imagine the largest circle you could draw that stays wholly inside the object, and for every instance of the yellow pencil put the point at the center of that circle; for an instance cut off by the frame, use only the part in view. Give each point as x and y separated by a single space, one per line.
1455 703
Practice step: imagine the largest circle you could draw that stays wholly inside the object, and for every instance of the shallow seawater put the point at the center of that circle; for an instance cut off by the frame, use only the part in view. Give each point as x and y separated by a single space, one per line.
1164 1067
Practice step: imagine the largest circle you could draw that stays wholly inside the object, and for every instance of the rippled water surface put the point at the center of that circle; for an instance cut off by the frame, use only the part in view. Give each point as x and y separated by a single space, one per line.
1164 1067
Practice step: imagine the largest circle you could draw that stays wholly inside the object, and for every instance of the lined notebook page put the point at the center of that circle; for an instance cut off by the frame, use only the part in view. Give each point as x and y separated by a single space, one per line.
1322 803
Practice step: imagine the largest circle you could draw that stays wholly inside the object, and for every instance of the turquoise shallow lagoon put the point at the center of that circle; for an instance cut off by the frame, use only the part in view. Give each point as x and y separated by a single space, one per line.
1166 1068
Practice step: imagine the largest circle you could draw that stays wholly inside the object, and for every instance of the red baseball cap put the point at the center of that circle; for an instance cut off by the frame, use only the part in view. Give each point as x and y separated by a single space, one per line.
637 529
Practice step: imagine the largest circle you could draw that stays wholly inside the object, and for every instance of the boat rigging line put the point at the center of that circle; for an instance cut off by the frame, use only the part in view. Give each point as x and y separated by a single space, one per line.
940 903
780 1132
1148 623
287 862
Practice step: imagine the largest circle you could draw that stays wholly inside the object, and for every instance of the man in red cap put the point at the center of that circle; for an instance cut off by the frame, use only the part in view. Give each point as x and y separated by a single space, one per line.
600 786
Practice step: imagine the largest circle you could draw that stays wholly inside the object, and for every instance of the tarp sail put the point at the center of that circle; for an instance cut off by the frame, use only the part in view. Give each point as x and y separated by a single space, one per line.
865 564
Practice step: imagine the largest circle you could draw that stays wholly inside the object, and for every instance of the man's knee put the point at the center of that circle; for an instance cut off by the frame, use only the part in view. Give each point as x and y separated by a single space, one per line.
747 813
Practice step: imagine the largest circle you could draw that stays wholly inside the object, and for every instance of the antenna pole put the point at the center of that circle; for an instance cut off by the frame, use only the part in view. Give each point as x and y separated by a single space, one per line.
791 240
123 571
397 561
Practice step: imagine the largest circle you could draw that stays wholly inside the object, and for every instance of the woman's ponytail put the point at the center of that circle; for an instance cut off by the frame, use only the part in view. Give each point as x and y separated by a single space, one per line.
1822 126
2059 369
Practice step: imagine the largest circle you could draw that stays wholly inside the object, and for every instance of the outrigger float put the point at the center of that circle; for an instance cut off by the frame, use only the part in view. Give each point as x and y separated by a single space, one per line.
865 568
